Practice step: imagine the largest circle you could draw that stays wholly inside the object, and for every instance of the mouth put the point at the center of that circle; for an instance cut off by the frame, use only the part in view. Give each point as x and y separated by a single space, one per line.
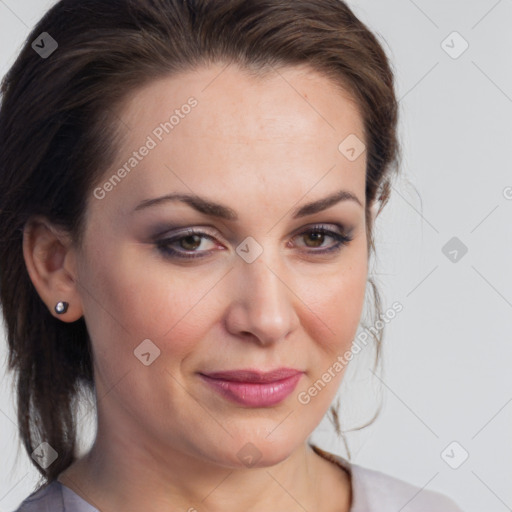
254 388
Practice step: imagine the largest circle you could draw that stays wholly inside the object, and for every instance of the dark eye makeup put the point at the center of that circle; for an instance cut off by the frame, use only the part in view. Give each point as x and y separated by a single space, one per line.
184 244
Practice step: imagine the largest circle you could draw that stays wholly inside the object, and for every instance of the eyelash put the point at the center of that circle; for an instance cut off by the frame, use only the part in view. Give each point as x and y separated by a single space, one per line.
163 245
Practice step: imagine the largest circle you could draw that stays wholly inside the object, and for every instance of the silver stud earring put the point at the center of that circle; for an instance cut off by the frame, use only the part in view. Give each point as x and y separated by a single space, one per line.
61 307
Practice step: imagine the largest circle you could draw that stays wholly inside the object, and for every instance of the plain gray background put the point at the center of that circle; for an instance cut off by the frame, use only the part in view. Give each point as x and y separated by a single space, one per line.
446 369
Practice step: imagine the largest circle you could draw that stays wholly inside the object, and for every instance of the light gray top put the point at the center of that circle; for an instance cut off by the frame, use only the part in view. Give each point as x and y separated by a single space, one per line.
372 491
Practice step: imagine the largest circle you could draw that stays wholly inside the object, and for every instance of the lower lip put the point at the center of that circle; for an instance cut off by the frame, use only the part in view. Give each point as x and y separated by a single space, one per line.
254 394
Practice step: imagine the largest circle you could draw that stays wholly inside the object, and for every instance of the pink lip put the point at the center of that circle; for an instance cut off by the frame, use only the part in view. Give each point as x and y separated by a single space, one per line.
254 388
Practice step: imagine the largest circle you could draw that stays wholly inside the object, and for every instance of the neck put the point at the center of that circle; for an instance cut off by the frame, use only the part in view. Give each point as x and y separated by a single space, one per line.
119 475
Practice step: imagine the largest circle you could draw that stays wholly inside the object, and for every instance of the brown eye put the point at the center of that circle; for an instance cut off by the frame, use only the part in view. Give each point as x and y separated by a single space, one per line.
193 242
184 245
317 238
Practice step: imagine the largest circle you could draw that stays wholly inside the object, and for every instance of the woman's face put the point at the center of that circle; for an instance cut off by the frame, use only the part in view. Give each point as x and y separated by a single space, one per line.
259 288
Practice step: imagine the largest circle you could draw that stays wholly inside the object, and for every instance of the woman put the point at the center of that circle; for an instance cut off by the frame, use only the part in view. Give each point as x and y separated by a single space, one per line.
188 192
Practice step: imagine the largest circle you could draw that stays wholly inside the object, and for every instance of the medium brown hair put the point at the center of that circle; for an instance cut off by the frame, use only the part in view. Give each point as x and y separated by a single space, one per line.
59 132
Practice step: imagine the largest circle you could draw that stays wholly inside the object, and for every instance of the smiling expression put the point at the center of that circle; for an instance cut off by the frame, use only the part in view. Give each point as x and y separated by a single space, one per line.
177 271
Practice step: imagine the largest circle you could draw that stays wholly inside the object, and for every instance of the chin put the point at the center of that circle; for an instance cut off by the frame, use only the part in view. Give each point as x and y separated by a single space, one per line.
253 451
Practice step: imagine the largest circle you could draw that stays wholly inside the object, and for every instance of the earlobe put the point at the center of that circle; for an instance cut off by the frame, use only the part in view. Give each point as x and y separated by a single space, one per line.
45 250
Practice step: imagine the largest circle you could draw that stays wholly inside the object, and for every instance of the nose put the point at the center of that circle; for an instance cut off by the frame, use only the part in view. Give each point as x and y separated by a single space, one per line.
262 304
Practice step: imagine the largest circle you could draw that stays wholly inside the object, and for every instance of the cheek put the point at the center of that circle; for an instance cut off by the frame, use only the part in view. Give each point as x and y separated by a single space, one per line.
336 308
336 303
127 305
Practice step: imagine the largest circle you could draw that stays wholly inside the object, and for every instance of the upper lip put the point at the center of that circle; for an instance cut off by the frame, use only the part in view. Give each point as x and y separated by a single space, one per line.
254 375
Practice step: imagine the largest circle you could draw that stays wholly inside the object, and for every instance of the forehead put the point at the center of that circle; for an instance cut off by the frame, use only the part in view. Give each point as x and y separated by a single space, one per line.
281 104
282 131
